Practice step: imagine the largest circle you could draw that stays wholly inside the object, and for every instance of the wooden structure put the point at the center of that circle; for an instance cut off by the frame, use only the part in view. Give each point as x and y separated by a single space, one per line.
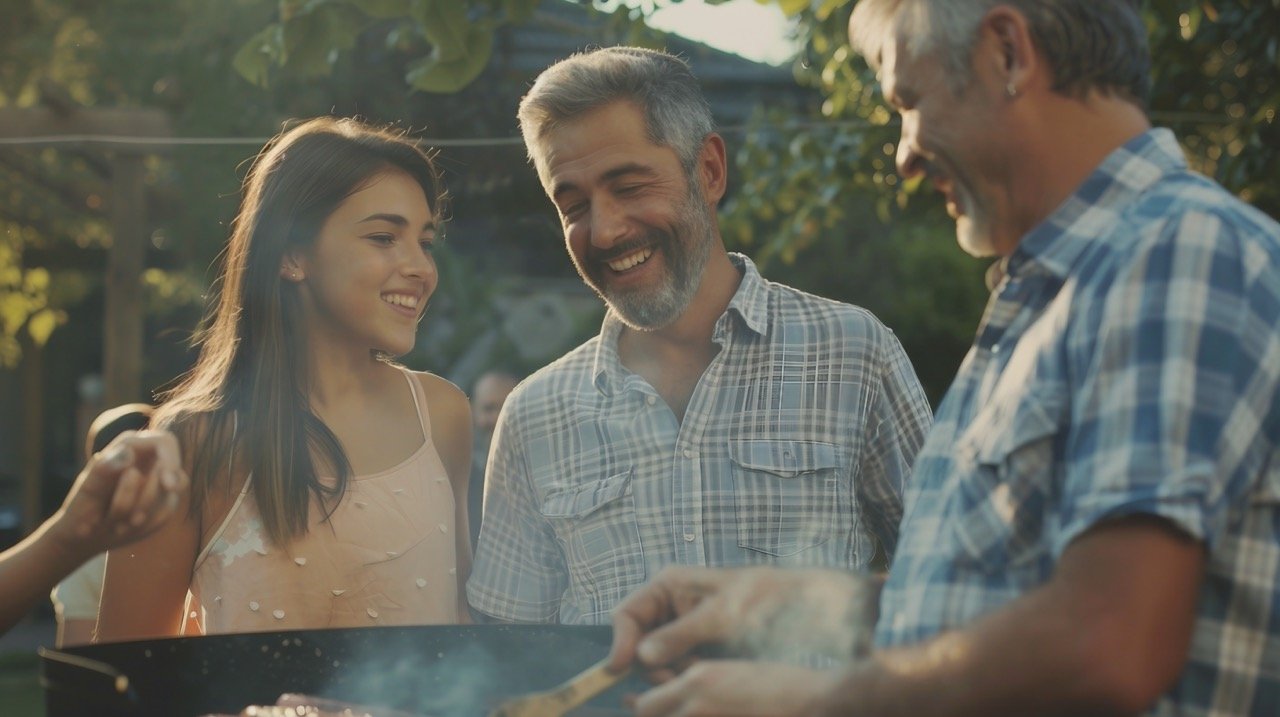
121 135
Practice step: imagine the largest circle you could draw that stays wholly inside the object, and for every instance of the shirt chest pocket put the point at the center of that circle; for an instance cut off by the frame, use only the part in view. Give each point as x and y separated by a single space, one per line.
596 525
787 494
1006 470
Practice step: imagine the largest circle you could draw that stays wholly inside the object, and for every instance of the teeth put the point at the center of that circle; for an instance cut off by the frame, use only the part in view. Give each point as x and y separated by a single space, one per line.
631 260
401 300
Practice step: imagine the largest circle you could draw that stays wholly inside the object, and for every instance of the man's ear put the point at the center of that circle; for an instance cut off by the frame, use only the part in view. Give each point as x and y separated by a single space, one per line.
713 168
1008 50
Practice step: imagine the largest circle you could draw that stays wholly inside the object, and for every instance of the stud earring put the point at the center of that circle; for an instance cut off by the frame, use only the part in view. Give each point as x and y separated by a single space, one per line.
1011 90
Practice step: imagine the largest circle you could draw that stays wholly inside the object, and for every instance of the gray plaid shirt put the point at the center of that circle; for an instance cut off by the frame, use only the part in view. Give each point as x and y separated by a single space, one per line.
794 450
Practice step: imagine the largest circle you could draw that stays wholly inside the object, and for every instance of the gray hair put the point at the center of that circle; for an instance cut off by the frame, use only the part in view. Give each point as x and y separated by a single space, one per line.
661 86
1090 44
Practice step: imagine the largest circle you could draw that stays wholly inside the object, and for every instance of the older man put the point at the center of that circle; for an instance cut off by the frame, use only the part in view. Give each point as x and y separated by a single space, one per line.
1093 525
718 418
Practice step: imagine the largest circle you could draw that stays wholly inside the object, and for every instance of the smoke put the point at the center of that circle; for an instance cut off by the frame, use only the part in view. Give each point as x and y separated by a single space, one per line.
459 685
467 679
826 617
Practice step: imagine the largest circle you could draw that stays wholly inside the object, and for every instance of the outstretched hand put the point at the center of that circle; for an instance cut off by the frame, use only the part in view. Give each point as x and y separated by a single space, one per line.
125 492
687 613
742 611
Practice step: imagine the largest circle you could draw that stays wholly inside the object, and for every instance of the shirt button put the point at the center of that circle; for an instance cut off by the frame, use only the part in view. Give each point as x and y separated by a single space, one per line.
688 537
690 453
650 400
995 348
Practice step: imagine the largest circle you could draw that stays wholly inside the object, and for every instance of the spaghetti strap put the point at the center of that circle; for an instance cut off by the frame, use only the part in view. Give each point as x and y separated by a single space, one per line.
419 403
226 519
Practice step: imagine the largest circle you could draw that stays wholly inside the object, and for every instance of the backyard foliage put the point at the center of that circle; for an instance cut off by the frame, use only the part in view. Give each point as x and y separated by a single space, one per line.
815 198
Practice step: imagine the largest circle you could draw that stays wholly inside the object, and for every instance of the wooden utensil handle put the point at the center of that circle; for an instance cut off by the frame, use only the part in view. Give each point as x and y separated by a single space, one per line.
589 683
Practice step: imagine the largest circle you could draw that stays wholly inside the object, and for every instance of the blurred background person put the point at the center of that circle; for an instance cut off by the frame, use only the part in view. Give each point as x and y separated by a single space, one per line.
487 396
75 599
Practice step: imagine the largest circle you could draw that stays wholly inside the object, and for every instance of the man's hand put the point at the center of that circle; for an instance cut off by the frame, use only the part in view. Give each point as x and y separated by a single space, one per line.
750 611
733 687
125 492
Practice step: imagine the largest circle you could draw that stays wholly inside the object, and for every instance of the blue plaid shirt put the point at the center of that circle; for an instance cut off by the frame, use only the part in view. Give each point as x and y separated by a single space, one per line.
793 450
1128 363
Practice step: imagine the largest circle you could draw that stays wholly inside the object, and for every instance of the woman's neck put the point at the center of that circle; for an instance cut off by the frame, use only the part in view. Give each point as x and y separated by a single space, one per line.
336 377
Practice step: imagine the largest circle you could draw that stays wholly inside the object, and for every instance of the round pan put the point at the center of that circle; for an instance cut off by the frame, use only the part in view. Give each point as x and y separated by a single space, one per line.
429 670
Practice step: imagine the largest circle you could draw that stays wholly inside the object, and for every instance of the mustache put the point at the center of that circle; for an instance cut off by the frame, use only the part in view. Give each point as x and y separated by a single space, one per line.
650 238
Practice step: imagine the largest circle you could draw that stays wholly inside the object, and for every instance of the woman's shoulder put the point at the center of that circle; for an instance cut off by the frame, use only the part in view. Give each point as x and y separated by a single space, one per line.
443 397
450 413
437 387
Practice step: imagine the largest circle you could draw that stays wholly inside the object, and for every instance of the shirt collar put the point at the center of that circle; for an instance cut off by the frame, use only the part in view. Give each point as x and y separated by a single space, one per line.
1056 243
750 303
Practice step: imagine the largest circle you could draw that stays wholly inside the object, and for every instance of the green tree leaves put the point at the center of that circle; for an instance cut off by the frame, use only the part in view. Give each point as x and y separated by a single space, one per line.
454 37
460 48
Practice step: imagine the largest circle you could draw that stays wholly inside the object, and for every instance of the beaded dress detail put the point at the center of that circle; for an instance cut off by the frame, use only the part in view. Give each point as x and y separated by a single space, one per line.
385 556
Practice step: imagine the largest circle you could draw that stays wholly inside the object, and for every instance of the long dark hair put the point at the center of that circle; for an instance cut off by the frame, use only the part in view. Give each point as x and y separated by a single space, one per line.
247 395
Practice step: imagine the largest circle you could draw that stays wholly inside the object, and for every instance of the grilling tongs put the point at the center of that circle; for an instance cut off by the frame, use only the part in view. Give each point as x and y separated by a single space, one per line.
556 702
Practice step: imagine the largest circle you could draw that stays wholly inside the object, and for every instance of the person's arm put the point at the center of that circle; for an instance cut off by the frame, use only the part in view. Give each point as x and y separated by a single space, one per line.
124 493
145 584
451 424
1107 635
898 419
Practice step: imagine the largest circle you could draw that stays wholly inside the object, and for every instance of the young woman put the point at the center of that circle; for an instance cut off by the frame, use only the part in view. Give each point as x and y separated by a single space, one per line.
328 483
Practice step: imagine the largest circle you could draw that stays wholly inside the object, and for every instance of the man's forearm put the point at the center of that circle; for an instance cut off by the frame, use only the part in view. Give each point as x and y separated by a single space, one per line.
1106 635
1019 661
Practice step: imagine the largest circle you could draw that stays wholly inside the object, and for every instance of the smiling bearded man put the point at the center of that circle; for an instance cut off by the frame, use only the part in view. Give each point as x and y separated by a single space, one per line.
718 418
687 249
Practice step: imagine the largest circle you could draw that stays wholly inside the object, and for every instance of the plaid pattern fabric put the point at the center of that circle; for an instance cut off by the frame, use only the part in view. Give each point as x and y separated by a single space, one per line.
793 450
1127 363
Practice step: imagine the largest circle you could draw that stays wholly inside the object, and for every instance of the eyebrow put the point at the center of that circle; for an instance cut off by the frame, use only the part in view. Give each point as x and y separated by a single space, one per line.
622 170
395 219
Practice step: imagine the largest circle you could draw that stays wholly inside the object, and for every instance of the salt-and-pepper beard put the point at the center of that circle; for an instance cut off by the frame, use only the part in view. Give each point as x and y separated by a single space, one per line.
685 251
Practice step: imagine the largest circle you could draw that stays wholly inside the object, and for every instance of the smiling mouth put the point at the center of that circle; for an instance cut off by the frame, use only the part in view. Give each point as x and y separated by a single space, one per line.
407 301
630 261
